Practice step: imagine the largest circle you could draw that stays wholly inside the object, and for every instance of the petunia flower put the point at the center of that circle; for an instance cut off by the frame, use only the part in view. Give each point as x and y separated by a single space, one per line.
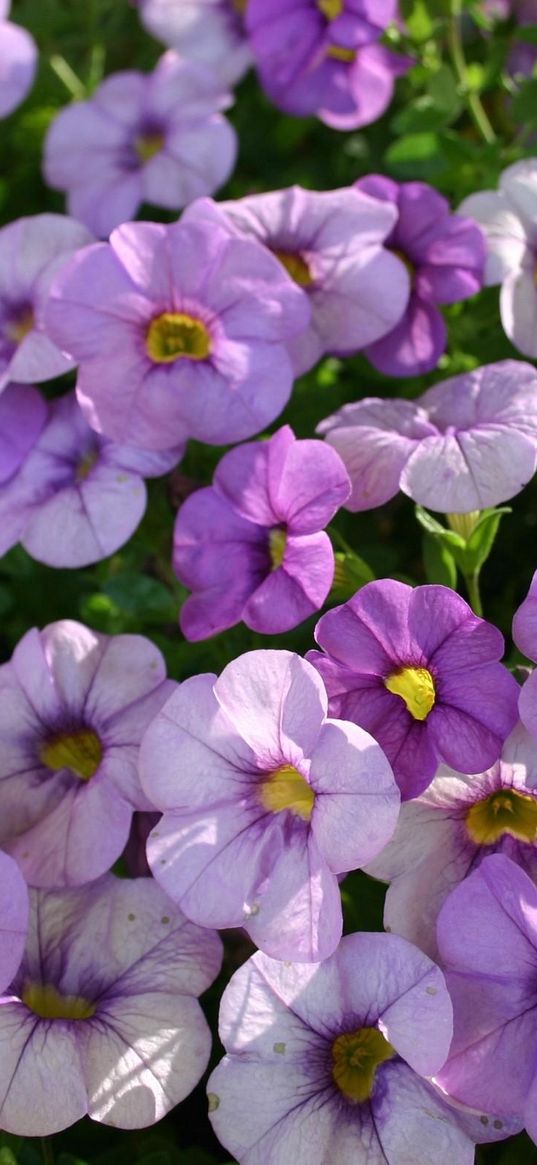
265 802
74 705
209 31
32 250
447 832
23 413
445 257
14 910
419 671
18 62
326 1064
102 1017
466 444
525 637
158 138
252 546
179 331
77 497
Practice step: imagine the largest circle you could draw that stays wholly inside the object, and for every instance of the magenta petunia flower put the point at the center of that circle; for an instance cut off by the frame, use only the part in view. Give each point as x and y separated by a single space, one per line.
14 908
264 803
31 252
74 706
326 1063
102 1017
445 257
18 62
466 444
23 413
252 546
77 497
322 57
419 671
158 138
450 829
331 245
179 331
487 936
209 31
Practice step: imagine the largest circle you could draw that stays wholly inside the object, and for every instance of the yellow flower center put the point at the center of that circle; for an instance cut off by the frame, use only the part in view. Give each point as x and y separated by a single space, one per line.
338 53
503 812
240 6
19 328
296 267
147 145
47 1003
355 1059
287 789
277 544
415 685
330 8
86 463
81 752
173 335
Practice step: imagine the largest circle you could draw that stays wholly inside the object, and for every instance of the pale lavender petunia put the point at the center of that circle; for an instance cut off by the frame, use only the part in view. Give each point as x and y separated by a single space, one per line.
466 444
18 62
450 829
326 1063
77 497
209 31
445 257
265 802
419 671
103 1015
14 908
179 331
331 244
73 708
252 546
23 414
323 57
32 250
158 138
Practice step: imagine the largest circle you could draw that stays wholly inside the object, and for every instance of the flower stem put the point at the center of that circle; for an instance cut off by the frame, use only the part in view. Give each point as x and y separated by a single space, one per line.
472 586
47 1151
472 99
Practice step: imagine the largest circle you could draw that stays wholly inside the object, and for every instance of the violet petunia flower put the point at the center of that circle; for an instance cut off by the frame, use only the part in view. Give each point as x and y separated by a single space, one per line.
331 244
32 250
158 138
74 706
466 444
103 1015
445 257
18 62
23 414
209 31
322 57
487 937
508 218
326 1063
419 671
77 497
265 802
252 546
450 829
179 331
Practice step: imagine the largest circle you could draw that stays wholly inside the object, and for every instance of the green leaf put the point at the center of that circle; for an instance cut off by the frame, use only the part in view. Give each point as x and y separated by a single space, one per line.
351 573
524 106
416 155
439 563
481 540
138 594
449 538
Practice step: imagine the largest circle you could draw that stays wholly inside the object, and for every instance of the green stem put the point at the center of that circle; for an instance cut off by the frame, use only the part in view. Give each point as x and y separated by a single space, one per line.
472 586
47 1151
472 99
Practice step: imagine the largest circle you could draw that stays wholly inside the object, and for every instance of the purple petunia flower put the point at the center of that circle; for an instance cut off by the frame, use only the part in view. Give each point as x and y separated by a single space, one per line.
14 908
179 331
487 936
418 670
252 546
102 1016
209 31
74 706
264 803
325 1063
321 57
466 444
158 138
31 252
23 413
450 829
18 62
77 497
445 256
331 245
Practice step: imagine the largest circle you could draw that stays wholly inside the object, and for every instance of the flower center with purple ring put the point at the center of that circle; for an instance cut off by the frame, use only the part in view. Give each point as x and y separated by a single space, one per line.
330 8
277 544
414 685
20 325
337 52
86 464
173 335
240 6
80 751
48 1003
504 812
147 145
286 788
355 1059
296 267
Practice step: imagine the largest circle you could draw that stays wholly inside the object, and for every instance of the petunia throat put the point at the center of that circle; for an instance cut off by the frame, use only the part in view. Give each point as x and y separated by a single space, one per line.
414 685
355 1059
48 1003
79 751
330 8
286 788
296 267
173 335
506 812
